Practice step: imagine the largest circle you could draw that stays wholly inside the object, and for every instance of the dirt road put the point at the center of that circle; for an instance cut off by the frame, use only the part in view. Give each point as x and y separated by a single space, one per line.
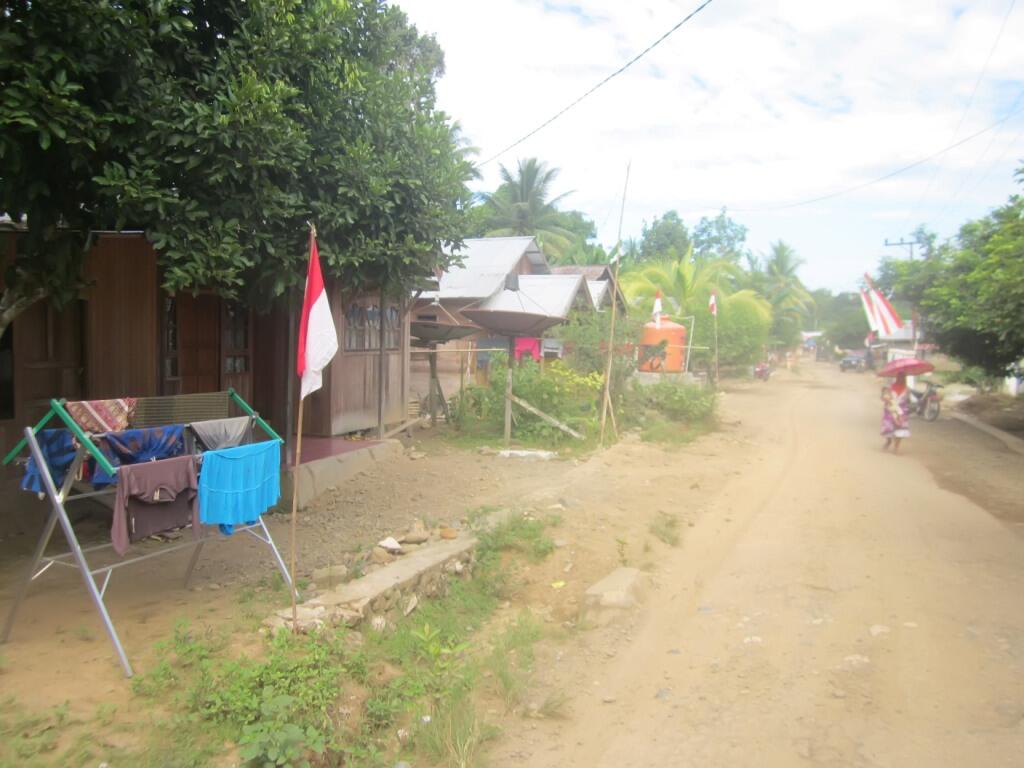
832 605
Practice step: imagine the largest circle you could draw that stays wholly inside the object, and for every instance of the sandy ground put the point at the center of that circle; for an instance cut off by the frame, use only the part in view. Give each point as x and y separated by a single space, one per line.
832 605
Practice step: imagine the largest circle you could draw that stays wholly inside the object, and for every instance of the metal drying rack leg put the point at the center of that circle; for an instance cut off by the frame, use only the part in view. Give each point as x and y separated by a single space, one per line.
57 503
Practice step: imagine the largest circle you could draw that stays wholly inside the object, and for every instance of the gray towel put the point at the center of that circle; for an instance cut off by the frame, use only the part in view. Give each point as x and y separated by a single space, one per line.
223 433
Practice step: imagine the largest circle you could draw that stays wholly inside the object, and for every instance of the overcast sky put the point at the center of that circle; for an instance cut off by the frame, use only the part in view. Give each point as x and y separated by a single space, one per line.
752 105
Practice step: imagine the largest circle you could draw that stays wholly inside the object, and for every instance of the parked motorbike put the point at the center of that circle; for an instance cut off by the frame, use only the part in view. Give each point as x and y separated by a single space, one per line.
928 403
762 371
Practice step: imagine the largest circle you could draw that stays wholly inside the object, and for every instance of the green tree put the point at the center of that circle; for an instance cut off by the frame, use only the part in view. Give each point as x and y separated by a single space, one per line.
220 129
665 239
684 285
719 238
790 300
523 205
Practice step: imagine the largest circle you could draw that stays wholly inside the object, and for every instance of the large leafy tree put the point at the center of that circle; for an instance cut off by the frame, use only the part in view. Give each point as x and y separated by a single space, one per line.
523 205
719 238
665 238
220 129
971 292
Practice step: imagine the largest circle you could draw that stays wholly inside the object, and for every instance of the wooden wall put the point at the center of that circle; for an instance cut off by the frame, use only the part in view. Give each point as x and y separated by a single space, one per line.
122 340
348 400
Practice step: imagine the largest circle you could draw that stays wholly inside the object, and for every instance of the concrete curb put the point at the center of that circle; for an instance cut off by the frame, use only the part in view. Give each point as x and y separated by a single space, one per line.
315 477
1013 443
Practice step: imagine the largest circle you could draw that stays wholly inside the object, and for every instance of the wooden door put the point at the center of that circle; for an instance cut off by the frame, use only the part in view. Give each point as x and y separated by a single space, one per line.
198 340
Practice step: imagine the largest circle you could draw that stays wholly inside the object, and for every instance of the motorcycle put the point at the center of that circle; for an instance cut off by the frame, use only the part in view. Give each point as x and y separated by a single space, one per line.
762 371
926 404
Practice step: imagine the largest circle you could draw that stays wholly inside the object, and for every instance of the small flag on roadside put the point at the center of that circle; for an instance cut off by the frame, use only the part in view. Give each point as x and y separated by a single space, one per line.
713 305
656 312
318 339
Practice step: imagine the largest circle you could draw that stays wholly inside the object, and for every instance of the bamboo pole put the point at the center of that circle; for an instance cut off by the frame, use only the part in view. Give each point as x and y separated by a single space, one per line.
381 367
606 399
295 507
508 391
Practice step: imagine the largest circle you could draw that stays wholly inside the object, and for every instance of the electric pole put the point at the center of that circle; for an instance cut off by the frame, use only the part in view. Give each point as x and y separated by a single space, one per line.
909 243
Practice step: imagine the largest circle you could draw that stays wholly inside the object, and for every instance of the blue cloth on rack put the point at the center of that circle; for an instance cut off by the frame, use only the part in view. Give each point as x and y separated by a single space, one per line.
237 485
133 446
58 449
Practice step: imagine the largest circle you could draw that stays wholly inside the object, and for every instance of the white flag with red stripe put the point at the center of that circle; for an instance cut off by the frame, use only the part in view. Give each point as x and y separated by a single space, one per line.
713 305
887 319
318 339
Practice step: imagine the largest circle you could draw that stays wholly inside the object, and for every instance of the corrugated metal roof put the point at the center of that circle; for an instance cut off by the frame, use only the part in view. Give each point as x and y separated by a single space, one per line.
589 271
485 263
598 292
551 295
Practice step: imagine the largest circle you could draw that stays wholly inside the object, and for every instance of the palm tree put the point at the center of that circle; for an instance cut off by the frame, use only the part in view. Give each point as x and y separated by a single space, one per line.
521 206
684 284
791 302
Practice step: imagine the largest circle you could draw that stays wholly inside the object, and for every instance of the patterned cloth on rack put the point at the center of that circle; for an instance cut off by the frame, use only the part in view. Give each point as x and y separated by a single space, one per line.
99 416
237 485
58 449
223 433
134 446
152 497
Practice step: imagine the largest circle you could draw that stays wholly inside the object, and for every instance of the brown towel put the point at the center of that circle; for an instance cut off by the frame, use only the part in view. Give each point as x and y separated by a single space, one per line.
152 497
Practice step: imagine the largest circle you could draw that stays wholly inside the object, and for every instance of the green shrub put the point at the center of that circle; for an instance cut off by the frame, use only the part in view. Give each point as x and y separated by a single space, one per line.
557 390
682 403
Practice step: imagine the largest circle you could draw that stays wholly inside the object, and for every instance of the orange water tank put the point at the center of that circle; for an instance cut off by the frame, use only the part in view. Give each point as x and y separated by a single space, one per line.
673 358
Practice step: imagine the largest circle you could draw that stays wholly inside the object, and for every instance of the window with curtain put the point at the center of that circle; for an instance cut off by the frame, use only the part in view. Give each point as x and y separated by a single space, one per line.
392 328
355 328
373 327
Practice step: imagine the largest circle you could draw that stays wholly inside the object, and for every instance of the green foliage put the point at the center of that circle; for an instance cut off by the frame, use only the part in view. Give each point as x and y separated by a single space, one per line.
274 740
220 129
666 239
518 534
840 317
719 238
586 344
682 403
557 390
971 292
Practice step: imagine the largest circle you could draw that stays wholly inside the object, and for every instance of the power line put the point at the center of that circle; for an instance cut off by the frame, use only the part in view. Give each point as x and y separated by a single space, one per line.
970 103
887 176
610 77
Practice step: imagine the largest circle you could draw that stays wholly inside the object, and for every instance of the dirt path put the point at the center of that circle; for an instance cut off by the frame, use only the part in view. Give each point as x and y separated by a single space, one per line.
832 605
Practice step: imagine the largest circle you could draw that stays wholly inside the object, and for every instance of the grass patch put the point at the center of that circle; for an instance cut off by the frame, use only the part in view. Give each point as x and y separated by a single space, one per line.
519 534
554 706
311 698
510 662
665 528
666 432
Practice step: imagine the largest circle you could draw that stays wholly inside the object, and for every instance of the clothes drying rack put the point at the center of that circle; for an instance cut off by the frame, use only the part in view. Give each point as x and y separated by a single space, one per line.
75 558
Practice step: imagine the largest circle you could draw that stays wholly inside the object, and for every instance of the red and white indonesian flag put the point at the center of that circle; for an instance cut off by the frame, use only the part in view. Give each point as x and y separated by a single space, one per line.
713 305
882 316
656 312
318 340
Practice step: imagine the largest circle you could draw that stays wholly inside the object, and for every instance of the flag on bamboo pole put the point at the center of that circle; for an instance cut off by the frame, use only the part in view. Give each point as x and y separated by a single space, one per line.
713 305
656 312
318 339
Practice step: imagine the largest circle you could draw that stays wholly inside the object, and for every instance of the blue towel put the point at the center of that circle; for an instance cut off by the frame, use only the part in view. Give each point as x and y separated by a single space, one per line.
58 449
134 446
237 485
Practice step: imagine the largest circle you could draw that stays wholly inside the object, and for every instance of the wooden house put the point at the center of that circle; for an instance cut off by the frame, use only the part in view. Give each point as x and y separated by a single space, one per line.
126 336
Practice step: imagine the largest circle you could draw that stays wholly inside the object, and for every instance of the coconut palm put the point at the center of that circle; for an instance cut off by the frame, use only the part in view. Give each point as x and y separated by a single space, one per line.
522 206
791 302
684 284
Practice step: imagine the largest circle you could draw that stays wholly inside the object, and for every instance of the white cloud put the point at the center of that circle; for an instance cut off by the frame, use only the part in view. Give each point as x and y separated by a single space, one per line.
753 104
